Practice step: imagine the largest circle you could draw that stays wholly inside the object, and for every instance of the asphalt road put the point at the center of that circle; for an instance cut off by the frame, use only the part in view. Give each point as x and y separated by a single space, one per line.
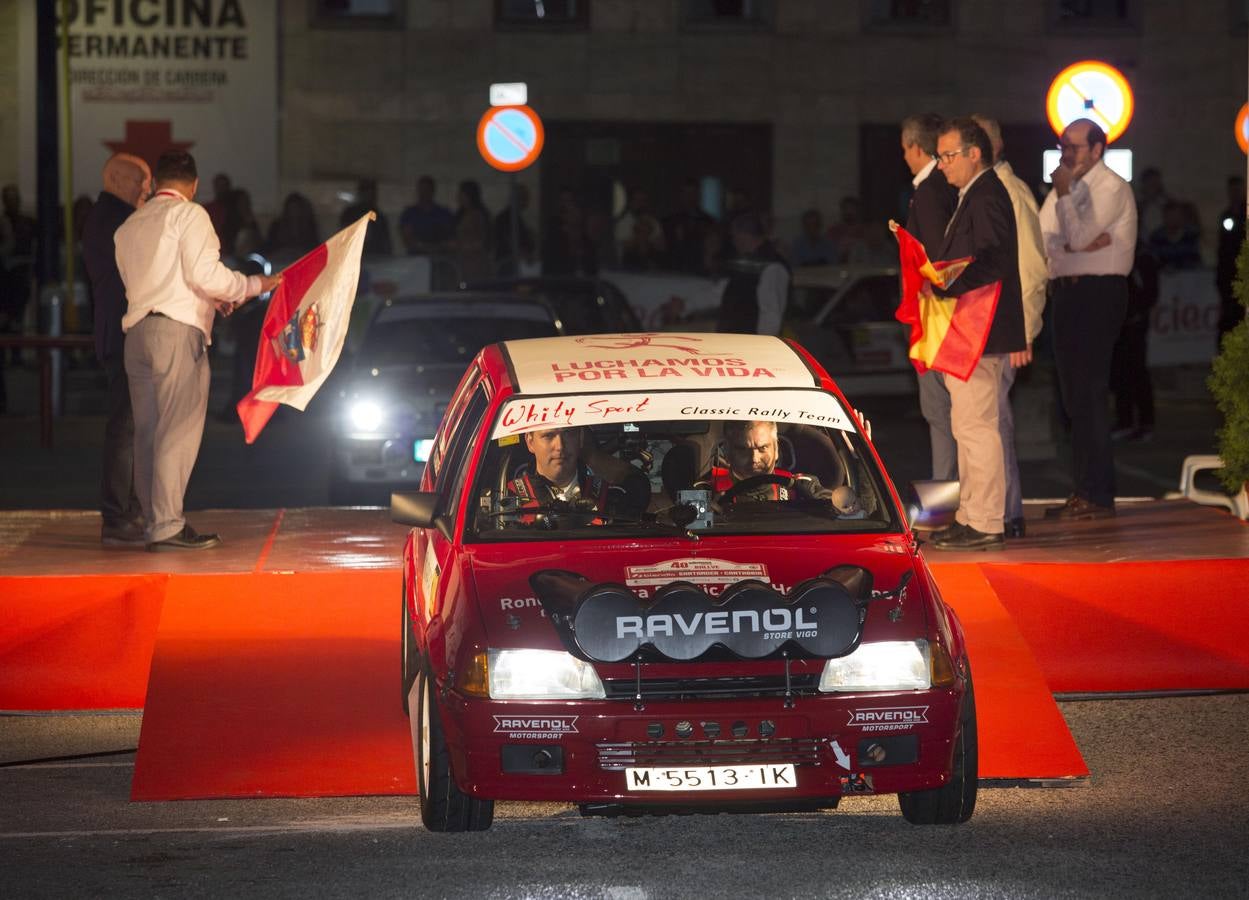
1163 815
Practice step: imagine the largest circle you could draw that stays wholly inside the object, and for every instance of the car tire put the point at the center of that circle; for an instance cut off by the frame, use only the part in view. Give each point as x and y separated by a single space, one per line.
409 657
955 801
444 807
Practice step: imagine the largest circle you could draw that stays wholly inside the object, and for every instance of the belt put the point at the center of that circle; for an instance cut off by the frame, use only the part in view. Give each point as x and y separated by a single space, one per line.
1069 280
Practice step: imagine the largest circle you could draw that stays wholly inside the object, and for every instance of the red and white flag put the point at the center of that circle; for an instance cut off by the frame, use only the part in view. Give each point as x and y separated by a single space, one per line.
305 327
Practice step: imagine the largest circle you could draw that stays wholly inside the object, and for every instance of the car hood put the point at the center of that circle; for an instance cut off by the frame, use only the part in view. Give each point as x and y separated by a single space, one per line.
514 616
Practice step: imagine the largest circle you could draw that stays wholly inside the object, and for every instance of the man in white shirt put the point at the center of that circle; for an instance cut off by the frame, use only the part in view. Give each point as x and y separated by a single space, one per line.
1032 281
169 259
1088 223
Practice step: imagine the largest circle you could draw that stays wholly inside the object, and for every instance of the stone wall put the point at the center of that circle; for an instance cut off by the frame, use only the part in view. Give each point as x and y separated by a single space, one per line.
401 102
8 92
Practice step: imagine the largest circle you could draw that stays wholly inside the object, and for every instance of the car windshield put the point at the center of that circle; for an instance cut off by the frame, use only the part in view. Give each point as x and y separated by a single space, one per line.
440 333
685 464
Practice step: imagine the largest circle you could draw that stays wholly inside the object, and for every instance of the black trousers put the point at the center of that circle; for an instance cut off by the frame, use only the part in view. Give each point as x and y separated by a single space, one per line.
1129 376
1088 315
118 501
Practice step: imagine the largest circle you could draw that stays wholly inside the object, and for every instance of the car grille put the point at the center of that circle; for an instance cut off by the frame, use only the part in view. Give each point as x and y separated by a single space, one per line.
710 688
676 754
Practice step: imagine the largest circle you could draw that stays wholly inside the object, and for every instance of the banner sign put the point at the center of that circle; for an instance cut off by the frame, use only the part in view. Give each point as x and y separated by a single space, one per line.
1184 326
153 75
804 407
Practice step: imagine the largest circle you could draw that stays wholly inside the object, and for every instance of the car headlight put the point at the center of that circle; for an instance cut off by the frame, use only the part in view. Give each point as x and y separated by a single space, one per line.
880 666
541 675
366 415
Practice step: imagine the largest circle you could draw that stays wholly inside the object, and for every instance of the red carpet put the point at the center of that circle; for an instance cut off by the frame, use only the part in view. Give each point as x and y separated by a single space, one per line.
1132 626
1022 733
276 685
83 642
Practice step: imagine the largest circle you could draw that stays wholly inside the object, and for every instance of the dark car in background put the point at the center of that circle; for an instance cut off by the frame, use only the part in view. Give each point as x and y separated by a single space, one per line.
583 305
407 361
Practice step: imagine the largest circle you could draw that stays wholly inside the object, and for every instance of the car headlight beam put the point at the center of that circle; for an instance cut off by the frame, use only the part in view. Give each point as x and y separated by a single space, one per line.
541 675
880 666
366 415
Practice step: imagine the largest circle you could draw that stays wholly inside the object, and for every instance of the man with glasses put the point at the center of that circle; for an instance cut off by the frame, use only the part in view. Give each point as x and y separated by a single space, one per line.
931 206
983 228
1089 225
1032 282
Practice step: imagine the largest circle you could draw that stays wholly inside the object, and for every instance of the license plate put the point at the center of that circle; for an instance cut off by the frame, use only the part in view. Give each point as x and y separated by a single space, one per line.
712 778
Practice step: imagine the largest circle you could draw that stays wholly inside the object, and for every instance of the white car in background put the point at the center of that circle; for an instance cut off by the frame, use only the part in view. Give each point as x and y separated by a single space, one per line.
844 315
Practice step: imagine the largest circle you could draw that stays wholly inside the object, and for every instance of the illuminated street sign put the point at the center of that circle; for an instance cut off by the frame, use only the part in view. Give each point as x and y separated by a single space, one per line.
1090 90
509 93
510 137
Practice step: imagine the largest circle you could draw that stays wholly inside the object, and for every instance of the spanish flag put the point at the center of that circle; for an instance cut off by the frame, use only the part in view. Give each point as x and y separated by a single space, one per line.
948 334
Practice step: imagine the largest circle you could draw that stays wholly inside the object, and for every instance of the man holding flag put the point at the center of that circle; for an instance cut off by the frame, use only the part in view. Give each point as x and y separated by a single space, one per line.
169 260
970 326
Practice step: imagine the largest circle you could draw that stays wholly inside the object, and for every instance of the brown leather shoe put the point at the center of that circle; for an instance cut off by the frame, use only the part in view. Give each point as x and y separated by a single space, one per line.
1079 509
1057 512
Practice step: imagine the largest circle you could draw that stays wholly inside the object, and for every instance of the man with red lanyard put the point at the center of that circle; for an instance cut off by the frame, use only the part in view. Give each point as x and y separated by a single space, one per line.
169 259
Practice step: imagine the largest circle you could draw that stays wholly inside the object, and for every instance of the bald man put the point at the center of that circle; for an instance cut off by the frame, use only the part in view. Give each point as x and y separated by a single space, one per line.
127 184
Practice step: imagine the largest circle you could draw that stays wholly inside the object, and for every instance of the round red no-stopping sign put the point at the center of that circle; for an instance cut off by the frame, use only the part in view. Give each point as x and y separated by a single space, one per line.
510 137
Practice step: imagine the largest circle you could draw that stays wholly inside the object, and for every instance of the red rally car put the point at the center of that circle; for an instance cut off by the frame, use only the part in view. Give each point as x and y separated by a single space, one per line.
667 573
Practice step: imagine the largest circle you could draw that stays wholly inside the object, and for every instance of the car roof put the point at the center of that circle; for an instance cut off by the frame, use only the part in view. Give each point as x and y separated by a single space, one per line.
655 361
481 303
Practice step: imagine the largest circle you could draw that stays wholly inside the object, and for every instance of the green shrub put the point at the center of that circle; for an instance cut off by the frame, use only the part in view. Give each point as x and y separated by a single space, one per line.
1229 383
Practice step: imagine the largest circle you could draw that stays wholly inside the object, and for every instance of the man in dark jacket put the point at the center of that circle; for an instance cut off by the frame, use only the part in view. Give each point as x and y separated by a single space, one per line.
982 227
127 183
755 298
932 204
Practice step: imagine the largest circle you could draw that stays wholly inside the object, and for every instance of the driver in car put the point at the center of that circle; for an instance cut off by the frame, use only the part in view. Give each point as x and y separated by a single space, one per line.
561 477
752 449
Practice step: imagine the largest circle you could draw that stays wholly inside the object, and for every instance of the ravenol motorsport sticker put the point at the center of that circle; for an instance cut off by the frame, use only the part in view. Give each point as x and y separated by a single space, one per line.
529 727
888 718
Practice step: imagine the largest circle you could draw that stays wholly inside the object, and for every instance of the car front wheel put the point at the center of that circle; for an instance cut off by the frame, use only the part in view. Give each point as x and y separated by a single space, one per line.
955 801
444 807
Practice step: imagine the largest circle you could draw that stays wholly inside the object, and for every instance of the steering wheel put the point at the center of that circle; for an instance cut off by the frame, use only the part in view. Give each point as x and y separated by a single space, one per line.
754 481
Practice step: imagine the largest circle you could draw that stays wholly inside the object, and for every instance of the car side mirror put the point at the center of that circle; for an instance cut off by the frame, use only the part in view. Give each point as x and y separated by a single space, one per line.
419 509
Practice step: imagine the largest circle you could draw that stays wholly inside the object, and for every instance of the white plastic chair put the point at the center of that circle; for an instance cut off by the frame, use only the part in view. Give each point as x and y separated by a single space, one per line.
1238 504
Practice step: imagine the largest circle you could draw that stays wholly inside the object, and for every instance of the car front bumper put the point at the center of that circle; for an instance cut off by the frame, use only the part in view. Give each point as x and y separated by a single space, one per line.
578 752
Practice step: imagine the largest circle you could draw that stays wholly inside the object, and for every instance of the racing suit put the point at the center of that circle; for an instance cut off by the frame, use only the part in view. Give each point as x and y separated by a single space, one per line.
806 487
533 491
